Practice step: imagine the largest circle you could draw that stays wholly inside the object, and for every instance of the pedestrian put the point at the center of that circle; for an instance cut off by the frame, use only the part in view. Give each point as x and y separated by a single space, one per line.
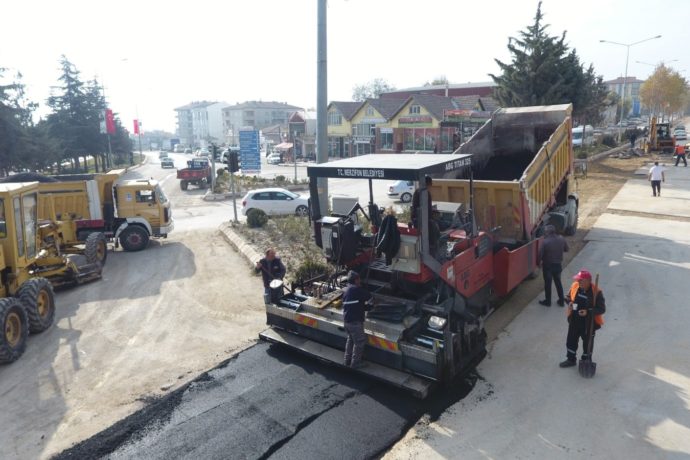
680 155
633 137
271 268
656 176
582 302
356 301
551 252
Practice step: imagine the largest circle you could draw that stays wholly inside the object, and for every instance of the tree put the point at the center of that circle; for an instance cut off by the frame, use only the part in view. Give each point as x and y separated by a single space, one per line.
545 71
371 89
440 80
665 92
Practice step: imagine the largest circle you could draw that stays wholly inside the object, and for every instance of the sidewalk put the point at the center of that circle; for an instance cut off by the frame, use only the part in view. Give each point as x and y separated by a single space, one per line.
638 404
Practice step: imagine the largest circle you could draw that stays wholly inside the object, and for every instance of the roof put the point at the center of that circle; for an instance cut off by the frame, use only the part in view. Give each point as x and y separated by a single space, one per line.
620 80
378 166
467 102
387 107
263 105
489 103
449 86
435 105
196 105
347 108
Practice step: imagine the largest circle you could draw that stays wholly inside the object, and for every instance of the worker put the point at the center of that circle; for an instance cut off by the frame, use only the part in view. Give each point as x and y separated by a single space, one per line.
356 301
582 303
271 268
680 155
415 211
550 260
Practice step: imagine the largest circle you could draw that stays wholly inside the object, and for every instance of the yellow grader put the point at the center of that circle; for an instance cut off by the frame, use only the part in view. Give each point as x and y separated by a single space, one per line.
31 264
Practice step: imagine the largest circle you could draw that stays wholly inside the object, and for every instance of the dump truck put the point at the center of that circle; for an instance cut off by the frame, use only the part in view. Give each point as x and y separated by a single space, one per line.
434 292
31 264
198 172
127 212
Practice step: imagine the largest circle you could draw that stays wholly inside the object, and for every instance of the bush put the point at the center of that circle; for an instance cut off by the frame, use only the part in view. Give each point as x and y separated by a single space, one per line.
309 269
280 179
581 155
609 140
256 218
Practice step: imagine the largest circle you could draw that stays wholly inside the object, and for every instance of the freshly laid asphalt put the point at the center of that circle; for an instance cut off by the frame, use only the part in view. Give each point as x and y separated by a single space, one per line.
269 402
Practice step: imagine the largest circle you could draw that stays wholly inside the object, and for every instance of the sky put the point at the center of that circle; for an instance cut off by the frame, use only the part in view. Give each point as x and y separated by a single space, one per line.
153 56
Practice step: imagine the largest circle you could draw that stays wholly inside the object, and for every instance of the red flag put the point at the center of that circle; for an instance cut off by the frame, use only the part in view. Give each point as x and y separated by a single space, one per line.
109 122
136 126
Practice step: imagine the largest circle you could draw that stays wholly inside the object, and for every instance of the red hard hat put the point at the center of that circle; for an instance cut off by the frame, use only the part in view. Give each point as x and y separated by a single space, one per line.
583 275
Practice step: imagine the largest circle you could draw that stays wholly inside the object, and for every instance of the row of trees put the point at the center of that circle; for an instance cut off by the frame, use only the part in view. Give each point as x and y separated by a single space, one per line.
70 132
665 92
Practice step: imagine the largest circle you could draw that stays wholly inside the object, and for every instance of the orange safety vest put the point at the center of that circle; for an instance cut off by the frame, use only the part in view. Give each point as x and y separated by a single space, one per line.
598 319
680 149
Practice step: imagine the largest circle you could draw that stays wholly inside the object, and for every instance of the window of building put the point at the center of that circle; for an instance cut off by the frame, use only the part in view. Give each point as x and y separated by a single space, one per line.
421 139
415 109
364 129
386 141
334 118
370 111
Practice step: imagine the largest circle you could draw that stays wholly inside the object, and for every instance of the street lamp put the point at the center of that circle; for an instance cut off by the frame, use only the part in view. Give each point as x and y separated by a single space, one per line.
627 57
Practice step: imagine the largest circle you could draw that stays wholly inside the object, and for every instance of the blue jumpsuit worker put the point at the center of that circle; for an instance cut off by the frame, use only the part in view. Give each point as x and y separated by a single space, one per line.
356 301
271 268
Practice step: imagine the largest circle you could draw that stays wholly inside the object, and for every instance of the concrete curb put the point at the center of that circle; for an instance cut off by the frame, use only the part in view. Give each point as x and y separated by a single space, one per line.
210 196
237 242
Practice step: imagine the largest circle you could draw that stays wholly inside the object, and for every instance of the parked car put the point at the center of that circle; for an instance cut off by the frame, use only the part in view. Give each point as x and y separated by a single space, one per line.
401 190
275 201
187 150
680 134
162 154
226 152
167 162
274 159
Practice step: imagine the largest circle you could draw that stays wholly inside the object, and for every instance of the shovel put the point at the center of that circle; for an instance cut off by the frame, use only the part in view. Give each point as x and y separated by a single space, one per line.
587 367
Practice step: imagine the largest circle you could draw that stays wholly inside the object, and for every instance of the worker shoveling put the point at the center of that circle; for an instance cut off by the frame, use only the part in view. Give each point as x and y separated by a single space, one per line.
588 367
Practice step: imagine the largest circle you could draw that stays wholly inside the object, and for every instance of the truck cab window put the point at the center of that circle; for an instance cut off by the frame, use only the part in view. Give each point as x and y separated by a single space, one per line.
145 196
3 222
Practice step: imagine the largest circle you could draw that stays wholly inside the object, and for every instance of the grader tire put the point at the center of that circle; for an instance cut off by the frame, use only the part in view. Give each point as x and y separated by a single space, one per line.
37 298
96 248
15 329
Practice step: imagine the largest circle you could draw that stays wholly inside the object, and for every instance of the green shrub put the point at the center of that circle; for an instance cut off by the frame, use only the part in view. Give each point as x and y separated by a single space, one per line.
280 179
609 140
310 268
256 218
581 155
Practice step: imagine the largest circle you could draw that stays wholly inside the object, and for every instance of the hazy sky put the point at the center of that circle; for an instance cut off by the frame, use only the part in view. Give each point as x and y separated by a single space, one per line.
156 55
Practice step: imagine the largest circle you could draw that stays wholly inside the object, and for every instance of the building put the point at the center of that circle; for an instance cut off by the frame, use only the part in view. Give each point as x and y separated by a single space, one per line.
256 114
481 89
632 92
200 123
215 128
340 127
302 133
374 116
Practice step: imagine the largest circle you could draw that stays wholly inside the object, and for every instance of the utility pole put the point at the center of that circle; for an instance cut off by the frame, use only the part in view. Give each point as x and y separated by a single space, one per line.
322 102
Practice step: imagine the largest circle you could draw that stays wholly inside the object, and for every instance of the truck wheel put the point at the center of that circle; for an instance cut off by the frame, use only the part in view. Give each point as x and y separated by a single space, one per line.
406 197
134 238
15 329
96 248
183 184
203 184
302 211
37 298
571 228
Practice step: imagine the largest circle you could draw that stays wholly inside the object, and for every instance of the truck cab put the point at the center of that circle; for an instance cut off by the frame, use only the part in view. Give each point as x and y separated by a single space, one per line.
144 201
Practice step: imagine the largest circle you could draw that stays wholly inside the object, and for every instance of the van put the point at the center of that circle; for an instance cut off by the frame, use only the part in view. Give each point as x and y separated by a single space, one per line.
588 138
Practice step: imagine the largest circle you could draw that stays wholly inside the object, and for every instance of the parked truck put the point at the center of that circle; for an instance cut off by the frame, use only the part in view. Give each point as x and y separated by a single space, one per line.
128 212
198 172
31 263
434 291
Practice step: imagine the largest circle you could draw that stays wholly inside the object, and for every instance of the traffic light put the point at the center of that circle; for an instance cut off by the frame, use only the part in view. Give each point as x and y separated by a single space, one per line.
233 162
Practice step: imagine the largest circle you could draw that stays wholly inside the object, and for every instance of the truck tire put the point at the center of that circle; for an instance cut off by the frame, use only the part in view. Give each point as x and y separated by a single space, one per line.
96 248
184 185
134 238
15 329
37 298
571 228
203 184
406 197
301 211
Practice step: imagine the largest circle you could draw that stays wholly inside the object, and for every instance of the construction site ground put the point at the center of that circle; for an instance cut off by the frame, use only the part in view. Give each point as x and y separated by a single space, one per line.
160 359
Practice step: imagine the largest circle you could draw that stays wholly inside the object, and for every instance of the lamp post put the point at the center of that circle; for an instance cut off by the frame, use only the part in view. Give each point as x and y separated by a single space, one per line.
627 57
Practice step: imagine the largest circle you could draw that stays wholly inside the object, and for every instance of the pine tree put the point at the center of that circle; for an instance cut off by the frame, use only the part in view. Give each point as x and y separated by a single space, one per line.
545 71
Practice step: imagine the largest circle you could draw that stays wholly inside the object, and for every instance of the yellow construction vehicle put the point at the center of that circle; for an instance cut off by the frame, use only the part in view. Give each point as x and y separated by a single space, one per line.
31 263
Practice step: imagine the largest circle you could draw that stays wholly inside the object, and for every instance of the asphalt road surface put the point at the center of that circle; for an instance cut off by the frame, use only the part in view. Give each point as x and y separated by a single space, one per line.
269 402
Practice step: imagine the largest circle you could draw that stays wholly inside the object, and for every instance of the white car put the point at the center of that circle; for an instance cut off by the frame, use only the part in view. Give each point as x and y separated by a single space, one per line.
275 202
680 134
273 159
401 190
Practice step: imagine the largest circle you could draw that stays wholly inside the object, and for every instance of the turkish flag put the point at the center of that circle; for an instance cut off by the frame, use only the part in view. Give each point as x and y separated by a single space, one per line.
109 121
136 126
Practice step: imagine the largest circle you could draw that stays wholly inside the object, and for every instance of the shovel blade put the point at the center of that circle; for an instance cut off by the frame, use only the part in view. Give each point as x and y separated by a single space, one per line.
587 368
